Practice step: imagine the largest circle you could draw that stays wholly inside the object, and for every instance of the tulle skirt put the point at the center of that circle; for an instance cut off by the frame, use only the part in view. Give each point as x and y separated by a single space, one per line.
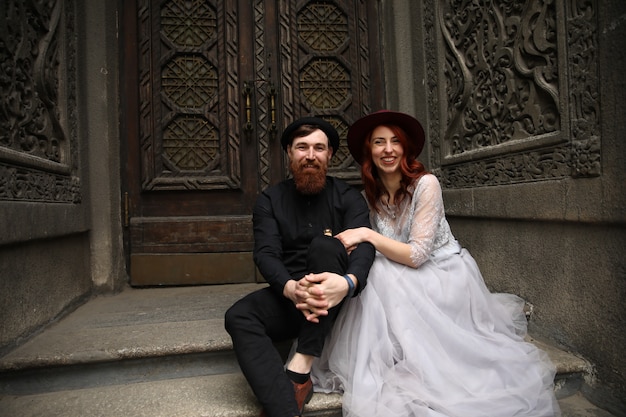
434 341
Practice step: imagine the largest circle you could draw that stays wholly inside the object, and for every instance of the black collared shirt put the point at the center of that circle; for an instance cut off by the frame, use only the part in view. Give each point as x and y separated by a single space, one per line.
285 221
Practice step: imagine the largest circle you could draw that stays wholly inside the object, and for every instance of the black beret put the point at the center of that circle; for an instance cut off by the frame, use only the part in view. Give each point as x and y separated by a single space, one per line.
323 125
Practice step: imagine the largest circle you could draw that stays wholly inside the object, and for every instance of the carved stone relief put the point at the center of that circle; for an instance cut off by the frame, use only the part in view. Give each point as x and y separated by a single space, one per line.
38 144
514 91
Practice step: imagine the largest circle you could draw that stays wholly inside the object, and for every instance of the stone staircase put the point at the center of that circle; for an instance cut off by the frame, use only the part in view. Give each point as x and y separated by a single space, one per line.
163 352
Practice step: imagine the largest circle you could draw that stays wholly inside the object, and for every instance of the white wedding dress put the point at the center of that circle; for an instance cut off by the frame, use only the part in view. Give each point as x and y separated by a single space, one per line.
432 340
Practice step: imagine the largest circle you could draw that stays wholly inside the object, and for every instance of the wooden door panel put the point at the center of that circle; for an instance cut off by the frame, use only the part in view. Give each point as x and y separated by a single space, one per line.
331 67
193 175
215 82
192 234
191 268
189 74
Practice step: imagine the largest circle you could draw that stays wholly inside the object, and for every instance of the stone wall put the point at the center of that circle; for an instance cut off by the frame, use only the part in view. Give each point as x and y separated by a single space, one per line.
573 275
523 107
42 190
40 279
58 147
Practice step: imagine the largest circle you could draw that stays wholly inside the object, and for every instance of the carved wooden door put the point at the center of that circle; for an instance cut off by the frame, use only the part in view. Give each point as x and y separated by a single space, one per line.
208 87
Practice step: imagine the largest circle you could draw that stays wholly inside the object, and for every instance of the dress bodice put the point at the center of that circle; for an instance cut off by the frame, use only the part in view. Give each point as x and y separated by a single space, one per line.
419 221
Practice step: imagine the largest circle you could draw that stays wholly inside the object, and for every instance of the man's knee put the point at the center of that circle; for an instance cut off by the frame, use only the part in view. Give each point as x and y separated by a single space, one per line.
326 245
229 319
327 254
236 316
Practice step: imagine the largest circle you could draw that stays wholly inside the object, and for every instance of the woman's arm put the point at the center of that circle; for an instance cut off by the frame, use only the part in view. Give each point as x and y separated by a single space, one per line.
428 204
392 249
429 213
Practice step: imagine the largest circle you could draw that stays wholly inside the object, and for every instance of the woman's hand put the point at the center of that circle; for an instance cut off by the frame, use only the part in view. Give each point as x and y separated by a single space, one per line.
352 237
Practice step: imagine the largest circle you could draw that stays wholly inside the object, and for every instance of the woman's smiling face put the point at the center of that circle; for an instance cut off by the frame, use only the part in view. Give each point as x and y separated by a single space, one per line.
387 151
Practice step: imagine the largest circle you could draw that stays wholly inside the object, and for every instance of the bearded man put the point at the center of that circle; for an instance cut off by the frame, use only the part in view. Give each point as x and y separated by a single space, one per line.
309 271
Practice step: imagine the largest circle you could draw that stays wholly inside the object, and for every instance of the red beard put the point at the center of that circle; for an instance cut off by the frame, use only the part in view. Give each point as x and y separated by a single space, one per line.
309 181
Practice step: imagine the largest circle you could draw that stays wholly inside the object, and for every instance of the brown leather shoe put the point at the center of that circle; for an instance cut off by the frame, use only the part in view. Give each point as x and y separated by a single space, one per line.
303 393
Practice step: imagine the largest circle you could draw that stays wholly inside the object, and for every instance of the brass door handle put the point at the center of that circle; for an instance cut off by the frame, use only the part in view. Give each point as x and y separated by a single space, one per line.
247 91
272 101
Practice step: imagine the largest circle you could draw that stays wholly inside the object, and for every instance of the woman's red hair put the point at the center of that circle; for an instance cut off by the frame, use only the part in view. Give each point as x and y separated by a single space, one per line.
410 168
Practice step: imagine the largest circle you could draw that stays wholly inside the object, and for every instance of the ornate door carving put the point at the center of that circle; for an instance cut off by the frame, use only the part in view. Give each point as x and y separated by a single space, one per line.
210 85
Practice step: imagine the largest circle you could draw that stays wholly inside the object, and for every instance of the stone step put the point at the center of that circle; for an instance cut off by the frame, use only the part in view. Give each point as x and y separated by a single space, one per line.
136 323
225 395
136 336
143 348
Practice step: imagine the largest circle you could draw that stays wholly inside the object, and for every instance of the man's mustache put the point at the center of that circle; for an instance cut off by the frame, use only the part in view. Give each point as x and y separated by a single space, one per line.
310 165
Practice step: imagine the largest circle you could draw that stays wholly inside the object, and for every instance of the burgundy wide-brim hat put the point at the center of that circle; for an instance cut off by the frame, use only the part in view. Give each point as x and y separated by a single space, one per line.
362 127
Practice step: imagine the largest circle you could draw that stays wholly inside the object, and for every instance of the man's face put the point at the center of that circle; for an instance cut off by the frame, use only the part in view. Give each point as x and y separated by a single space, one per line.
308 161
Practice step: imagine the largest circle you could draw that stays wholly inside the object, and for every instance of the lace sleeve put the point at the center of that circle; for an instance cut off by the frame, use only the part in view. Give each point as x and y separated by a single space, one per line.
428 214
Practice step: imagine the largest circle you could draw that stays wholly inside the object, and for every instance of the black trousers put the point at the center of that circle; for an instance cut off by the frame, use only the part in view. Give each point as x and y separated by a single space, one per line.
263 317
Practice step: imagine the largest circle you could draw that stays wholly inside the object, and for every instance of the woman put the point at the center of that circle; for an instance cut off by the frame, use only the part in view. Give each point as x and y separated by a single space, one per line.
425 337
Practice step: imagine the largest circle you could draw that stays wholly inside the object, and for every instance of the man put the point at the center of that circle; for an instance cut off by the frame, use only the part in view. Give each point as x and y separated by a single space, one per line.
310 272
